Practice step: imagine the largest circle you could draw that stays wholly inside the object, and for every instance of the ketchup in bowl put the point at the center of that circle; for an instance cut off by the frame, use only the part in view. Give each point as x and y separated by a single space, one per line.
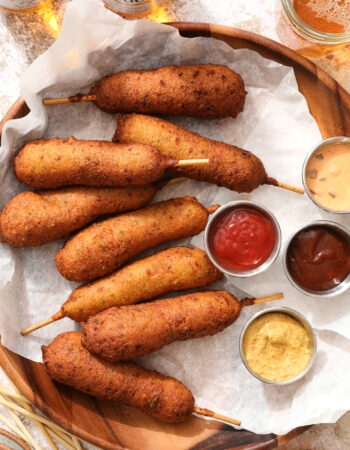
242 239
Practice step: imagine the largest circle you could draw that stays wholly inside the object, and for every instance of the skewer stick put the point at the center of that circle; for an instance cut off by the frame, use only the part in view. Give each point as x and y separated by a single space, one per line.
211 209
254 301
274 182
73 99
176 180
190 162
59 315
290 188
208 413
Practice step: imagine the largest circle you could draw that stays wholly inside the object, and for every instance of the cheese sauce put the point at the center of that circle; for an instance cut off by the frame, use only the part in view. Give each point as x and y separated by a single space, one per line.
327 176
277 347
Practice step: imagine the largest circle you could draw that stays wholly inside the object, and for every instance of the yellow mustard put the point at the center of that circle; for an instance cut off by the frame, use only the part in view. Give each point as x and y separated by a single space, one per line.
277 347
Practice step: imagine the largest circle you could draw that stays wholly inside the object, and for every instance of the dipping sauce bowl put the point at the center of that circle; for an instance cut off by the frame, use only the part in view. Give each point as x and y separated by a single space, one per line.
326 177
278 345
316 259
242 238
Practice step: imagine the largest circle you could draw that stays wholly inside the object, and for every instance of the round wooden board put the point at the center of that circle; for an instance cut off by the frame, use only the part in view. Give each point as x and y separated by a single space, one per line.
111 425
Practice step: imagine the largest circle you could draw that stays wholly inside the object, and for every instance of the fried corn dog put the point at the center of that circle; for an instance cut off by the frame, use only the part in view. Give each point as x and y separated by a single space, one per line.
103 247
162 397
230 166
55 163
127 332
207 91
173 269
32 219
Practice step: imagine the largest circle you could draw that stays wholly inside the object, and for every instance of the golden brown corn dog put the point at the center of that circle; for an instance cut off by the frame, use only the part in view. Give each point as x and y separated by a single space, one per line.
103 247
32 219
127 332
55 163
173 269
162 397
207 91
230 166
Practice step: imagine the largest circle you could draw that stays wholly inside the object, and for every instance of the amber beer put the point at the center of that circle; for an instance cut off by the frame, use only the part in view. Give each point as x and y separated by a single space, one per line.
133 9
330 16
320 21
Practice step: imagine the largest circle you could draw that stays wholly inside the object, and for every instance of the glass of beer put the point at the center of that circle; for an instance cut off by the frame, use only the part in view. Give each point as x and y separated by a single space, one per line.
320 21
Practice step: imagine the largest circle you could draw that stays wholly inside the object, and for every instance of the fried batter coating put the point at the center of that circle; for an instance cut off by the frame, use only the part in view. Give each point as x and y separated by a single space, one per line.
55 163
229 166
102 247
173 269
207 91
127 332
32 219
159 396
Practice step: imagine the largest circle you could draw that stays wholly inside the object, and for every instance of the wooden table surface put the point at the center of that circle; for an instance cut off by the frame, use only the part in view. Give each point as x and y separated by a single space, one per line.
24 37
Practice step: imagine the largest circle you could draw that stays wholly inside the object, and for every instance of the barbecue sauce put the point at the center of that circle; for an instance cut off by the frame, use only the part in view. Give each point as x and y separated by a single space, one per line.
318 258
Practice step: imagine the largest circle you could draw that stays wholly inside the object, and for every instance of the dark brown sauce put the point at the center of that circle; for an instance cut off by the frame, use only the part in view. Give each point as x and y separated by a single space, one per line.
318 258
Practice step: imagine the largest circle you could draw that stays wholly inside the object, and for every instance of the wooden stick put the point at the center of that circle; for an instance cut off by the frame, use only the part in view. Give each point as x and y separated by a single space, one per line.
26 404
28 407
73 99
254 301
190 162
274 182
19 397
208 413
76 443
59 315
31 415
63 434
61 439
176 180
13 428
22 427
211 209
290 188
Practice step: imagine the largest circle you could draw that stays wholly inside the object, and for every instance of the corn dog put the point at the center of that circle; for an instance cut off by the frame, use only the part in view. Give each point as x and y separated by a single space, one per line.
207 91
173 269
164 398
230 166
32 219
103 247
127 332
55 163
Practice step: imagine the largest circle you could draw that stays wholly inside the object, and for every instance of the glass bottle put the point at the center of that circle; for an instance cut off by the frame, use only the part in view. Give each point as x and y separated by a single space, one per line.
133 9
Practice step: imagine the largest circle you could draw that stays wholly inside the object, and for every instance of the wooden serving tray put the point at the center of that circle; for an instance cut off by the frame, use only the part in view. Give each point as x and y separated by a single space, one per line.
112 425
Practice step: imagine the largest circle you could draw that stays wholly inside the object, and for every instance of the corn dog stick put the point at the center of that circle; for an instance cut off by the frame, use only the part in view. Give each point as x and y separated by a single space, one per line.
290 188
208 413
51 319
274 182
254 301
190 162
73 99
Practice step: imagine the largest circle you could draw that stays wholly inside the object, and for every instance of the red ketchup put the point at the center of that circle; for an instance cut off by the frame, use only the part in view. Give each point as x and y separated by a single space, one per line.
242 239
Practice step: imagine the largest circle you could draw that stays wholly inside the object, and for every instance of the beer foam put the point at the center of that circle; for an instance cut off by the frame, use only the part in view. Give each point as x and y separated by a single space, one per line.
336 11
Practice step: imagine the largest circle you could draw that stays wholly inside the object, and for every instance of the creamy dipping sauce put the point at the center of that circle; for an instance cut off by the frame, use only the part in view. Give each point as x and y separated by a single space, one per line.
327 176
277 347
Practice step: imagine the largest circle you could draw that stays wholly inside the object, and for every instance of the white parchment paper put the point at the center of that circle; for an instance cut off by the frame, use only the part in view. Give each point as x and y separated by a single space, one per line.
275 125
